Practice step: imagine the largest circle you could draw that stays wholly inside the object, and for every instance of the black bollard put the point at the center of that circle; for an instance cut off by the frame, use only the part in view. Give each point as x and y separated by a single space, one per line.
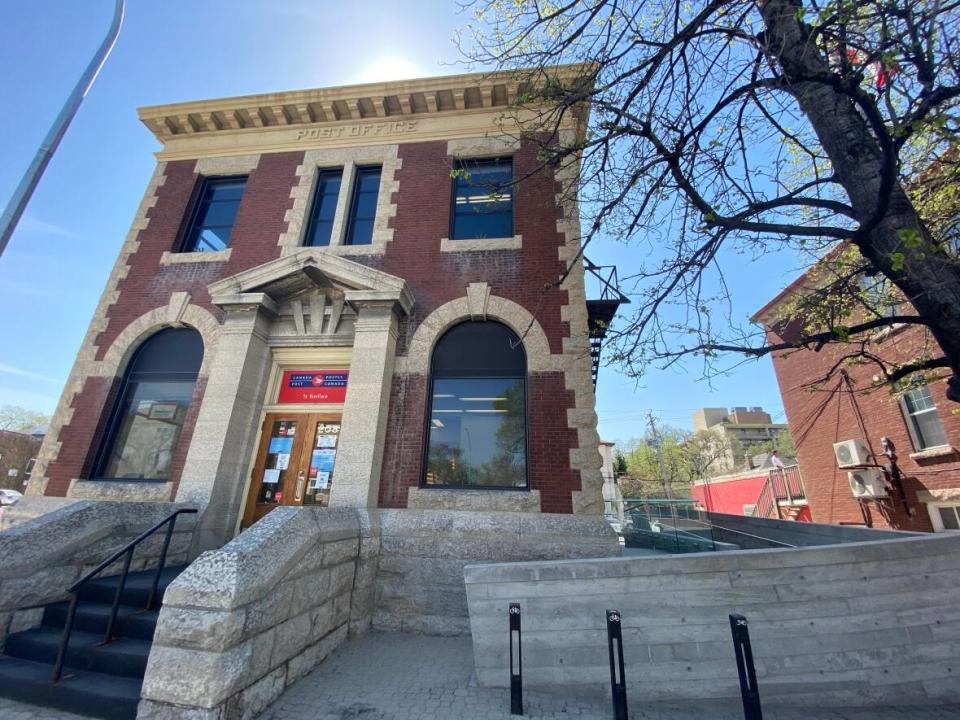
748 675
615 648
516 664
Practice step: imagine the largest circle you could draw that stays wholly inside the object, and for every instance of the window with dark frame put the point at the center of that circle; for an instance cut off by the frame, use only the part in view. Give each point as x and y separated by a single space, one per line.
214 214
154 396
477 436
923 420
363 206
482 199
324 208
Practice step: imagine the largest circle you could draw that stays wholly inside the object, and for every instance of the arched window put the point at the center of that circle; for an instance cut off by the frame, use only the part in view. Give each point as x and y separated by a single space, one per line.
154 397
478 420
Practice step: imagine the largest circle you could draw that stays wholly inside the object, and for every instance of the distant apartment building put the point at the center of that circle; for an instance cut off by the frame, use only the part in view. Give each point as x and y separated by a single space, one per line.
748 430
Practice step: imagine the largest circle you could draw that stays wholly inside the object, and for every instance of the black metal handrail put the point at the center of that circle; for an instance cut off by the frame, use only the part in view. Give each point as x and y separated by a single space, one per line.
127 551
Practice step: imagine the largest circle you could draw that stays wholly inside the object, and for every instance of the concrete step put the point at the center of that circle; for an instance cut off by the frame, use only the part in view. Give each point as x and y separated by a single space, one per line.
85 693
125 657
135 591
132 621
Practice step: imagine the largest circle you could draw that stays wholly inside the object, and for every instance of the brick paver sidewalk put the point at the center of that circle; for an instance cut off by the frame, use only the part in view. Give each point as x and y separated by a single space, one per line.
383 676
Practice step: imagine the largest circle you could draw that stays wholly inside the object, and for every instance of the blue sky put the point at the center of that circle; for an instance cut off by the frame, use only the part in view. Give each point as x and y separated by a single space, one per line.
55 267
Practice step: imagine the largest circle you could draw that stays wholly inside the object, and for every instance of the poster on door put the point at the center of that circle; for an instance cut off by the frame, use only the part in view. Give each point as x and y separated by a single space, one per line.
313 386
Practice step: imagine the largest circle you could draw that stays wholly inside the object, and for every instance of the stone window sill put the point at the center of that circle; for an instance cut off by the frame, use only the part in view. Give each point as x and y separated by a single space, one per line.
481 244
940 451
505 500
178 258
352 249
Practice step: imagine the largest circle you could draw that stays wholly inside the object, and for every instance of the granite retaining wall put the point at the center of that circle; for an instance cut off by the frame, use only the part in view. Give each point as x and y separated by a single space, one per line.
40 557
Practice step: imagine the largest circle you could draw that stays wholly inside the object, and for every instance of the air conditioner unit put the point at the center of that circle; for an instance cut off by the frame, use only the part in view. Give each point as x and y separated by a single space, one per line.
851 453
867 483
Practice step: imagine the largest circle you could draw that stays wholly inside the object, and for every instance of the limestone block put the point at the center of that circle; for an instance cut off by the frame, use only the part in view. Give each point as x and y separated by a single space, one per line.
255 699
25 619
47 584
449 499
269 610
116 490
243 570
154 710
199 628
291 637
314 654
322 620
341 578
307 591
339 551
203 678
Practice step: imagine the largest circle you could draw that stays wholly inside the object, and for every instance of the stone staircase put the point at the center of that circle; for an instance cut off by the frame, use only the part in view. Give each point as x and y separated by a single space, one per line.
99 680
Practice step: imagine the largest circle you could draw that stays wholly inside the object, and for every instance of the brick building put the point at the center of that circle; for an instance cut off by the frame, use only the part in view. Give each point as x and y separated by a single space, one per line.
919 421
18 452
313 307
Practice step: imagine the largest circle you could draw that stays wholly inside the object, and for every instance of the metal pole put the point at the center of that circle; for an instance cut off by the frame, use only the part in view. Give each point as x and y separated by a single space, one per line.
618 684
749 691
24 191
516 662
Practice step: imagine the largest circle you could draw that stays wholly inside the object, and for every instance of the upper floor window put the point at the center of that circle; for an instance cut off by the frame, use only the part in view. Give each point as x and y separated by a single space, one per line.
363 207
944 517
923 421
482 199
154 396
320 228
478 422
214 214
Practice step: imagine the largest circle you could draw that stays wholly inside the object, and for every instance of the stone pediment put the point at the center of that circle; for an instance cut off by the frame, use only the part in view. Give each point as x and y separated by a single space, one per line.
306 275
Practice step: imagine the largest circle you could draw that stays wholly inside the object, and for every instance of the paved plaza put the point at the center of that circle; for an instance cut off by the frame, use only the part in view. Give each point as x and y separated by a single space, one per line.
384 676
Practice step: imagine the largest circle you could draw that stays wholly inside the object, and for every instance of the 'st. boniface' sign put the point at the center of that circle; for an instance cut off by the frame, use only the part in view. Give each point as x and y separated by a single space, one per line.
313 386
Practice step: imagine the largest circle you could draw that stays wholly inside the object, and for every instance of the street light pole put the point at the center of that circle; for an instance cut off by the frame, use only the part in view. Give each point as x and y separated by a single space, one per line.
24 191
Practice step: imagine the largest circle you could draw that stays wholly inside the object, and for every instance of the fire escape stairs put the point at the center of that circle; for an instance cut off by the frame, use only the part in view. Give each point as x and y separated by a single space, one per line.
602 310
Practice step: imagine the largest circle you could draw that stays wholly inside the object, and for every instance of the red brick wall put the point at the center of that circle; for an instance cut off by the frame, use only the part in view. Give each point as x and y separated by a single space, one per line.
818 418
422 219
149 284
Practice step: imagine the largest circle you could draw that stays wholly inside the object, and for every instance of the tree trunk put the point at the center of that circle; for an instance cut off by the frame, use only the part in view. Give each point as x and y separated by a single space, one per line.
927 275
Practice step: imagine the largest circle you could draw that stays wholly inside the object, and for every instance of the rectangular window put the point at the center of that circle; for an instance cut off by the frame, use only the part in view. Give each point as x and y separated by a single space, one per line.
944 517
477 433
482 200
324 207
363 208
922 418
214 215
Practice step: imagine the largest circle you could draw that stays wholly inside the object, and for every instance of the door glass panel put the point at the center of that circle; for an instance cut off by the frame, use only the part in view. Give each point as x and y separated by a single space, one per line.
278 462
323 455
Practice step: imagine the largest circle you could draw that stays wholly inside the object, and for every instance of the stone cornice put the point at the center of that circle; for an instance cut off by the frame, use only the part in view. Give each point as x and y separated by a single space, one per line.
348 115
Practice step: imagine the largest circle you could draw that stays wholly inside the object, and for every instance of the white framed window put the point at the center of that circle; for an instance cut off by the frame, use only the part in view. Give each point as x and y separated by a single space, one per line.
944 516
749 510
923 420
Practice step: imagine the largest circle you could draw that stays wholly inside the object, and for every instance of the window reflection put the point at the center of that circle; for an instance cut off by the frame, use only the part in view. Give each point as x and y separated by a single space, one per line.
478 429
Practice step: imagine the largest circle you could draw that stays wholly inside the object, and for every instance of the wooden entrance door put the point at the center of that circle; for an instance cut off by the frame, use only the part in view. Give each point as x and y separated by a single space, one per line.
295 462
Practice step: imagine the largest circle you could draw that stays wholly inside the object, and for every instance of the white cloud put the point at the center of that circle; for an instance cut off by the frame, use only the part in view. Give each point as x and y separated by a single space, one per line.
20 372
42 227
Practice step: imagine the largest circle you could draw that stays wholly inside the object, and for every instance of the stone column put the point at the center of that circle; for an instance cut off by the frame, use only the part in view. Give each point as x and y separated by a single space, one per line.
364 426
217 464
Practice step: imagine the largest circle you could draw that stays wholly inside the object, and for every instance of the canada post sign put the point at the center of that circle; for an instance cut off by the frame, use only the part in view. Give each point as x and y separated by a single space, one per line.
313 386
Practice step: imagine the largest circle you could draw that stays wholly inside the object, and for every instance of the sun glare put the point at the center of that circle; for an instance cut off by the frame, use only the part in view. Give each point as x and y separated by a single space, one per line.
390 68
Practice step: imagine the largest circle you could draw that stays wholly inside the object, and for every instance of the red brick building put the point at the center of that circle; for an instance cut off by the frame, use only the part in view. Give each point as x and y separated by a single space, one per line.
921 423
303 269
